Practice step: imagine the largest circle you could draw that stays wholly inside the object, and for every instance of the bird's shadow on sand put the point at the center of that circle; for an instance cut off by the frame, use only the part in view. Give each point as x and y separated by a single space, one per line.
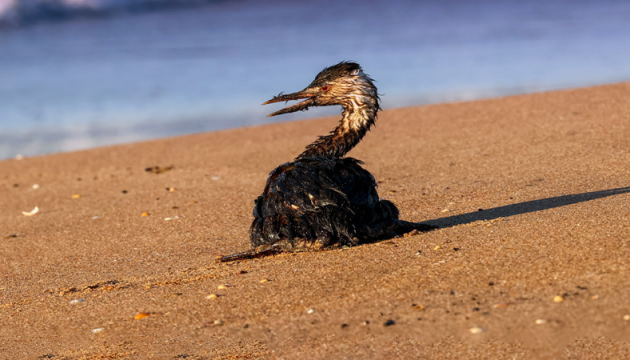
524 207
488 214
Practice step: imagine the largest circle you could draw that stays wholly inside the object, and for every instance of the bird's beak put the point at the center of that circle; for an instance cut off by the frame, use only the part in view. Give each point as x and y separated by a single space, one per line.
302 105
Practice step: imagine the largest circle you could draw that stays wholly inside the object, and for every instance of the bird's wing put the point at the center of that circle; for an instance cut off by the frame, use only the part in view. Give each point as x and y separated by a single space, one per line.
357 183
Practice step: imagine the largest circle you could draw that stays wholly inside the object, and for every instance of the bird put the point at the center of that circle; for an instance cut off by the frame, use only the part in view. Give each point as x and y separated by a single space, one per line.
323 199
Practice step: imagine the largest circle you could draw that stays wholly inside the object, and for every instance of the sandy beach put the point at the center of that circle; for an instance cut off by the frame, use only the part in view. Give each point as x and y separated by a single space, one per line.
532 194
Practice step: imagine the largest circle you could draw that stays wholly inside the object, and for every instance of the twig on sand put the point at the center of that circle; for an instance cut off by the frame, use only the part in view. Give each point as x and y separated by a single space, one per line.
251 254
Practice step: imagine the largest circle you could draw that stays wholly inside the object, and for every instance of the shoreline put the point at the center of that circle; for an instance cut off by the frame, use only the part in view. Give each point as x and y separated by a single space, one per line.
199 124
550 172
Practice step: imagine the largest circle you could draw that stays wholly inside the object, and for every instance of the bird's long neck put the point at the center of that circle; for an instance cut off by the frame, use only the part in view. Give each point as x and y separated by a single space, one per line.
358 116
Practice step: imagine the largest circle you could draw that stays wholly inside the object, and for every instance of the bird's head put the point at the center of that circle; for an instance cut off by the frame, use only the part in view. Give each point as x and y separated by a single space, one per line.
342 84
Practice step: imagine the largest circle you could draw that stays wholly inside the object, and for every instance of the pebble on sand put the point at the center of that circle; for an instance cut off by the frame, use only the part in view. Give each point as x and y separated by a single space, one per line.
558 299
35 186
172 217
76 301
541 321
476 330
218 322
76 196
145 214
141 316
412 233
264 281
310 311
96 331
626 317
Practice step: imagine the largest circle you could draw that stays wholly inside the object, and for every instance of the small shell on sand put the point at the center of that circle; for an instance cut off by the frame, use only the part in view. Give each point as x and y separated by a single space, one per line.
264 281
558 299
310 311
223 286
76 196
96 331
541 321
145 214
141 316
76 301
32 212
35 186
626 317
476 330
212 296
218 322
172 217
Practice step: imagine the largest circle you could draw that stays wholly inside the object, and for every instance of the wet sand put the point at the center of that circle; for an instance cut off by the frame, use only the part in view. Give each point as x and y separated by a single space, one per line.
531 193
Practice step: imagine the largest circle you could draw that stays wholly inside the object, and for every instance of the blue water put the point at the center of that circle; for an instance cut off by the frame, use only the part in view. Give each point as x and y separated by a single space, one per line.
87 81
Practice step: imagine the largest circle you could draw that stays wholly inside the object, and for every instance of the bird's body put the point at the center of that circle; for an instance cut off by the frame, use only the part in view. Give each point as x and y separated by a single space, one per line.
315 202
322 198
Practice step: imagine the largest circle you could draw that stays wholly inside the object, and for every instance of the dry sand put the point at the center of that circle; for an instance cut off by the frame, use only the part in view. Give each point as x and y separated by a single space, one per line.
549 170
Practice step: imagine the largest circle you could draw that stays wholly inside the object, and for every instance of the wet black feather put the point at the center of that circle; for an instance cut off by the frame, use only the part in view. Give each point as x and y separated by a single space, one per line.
322 197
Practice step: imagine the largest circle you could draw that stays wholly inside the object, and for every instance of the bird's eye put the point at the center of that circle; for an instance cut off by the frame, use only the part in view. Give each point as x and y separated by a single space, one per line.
325 88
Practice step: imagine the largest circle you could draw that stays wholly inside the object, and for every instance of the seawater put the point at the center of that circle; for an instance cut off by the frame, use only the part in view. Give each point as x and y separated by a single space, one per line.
75 82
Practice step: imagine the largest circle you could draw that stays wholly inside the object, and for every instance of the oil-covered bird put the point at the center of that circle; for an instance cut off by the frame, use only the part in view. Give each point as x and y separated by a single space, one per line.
322 198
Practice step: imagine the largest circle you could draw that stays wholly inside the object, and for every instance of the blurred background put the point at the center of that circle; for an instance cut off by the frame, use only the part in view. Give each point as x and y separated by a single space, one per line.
76 74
